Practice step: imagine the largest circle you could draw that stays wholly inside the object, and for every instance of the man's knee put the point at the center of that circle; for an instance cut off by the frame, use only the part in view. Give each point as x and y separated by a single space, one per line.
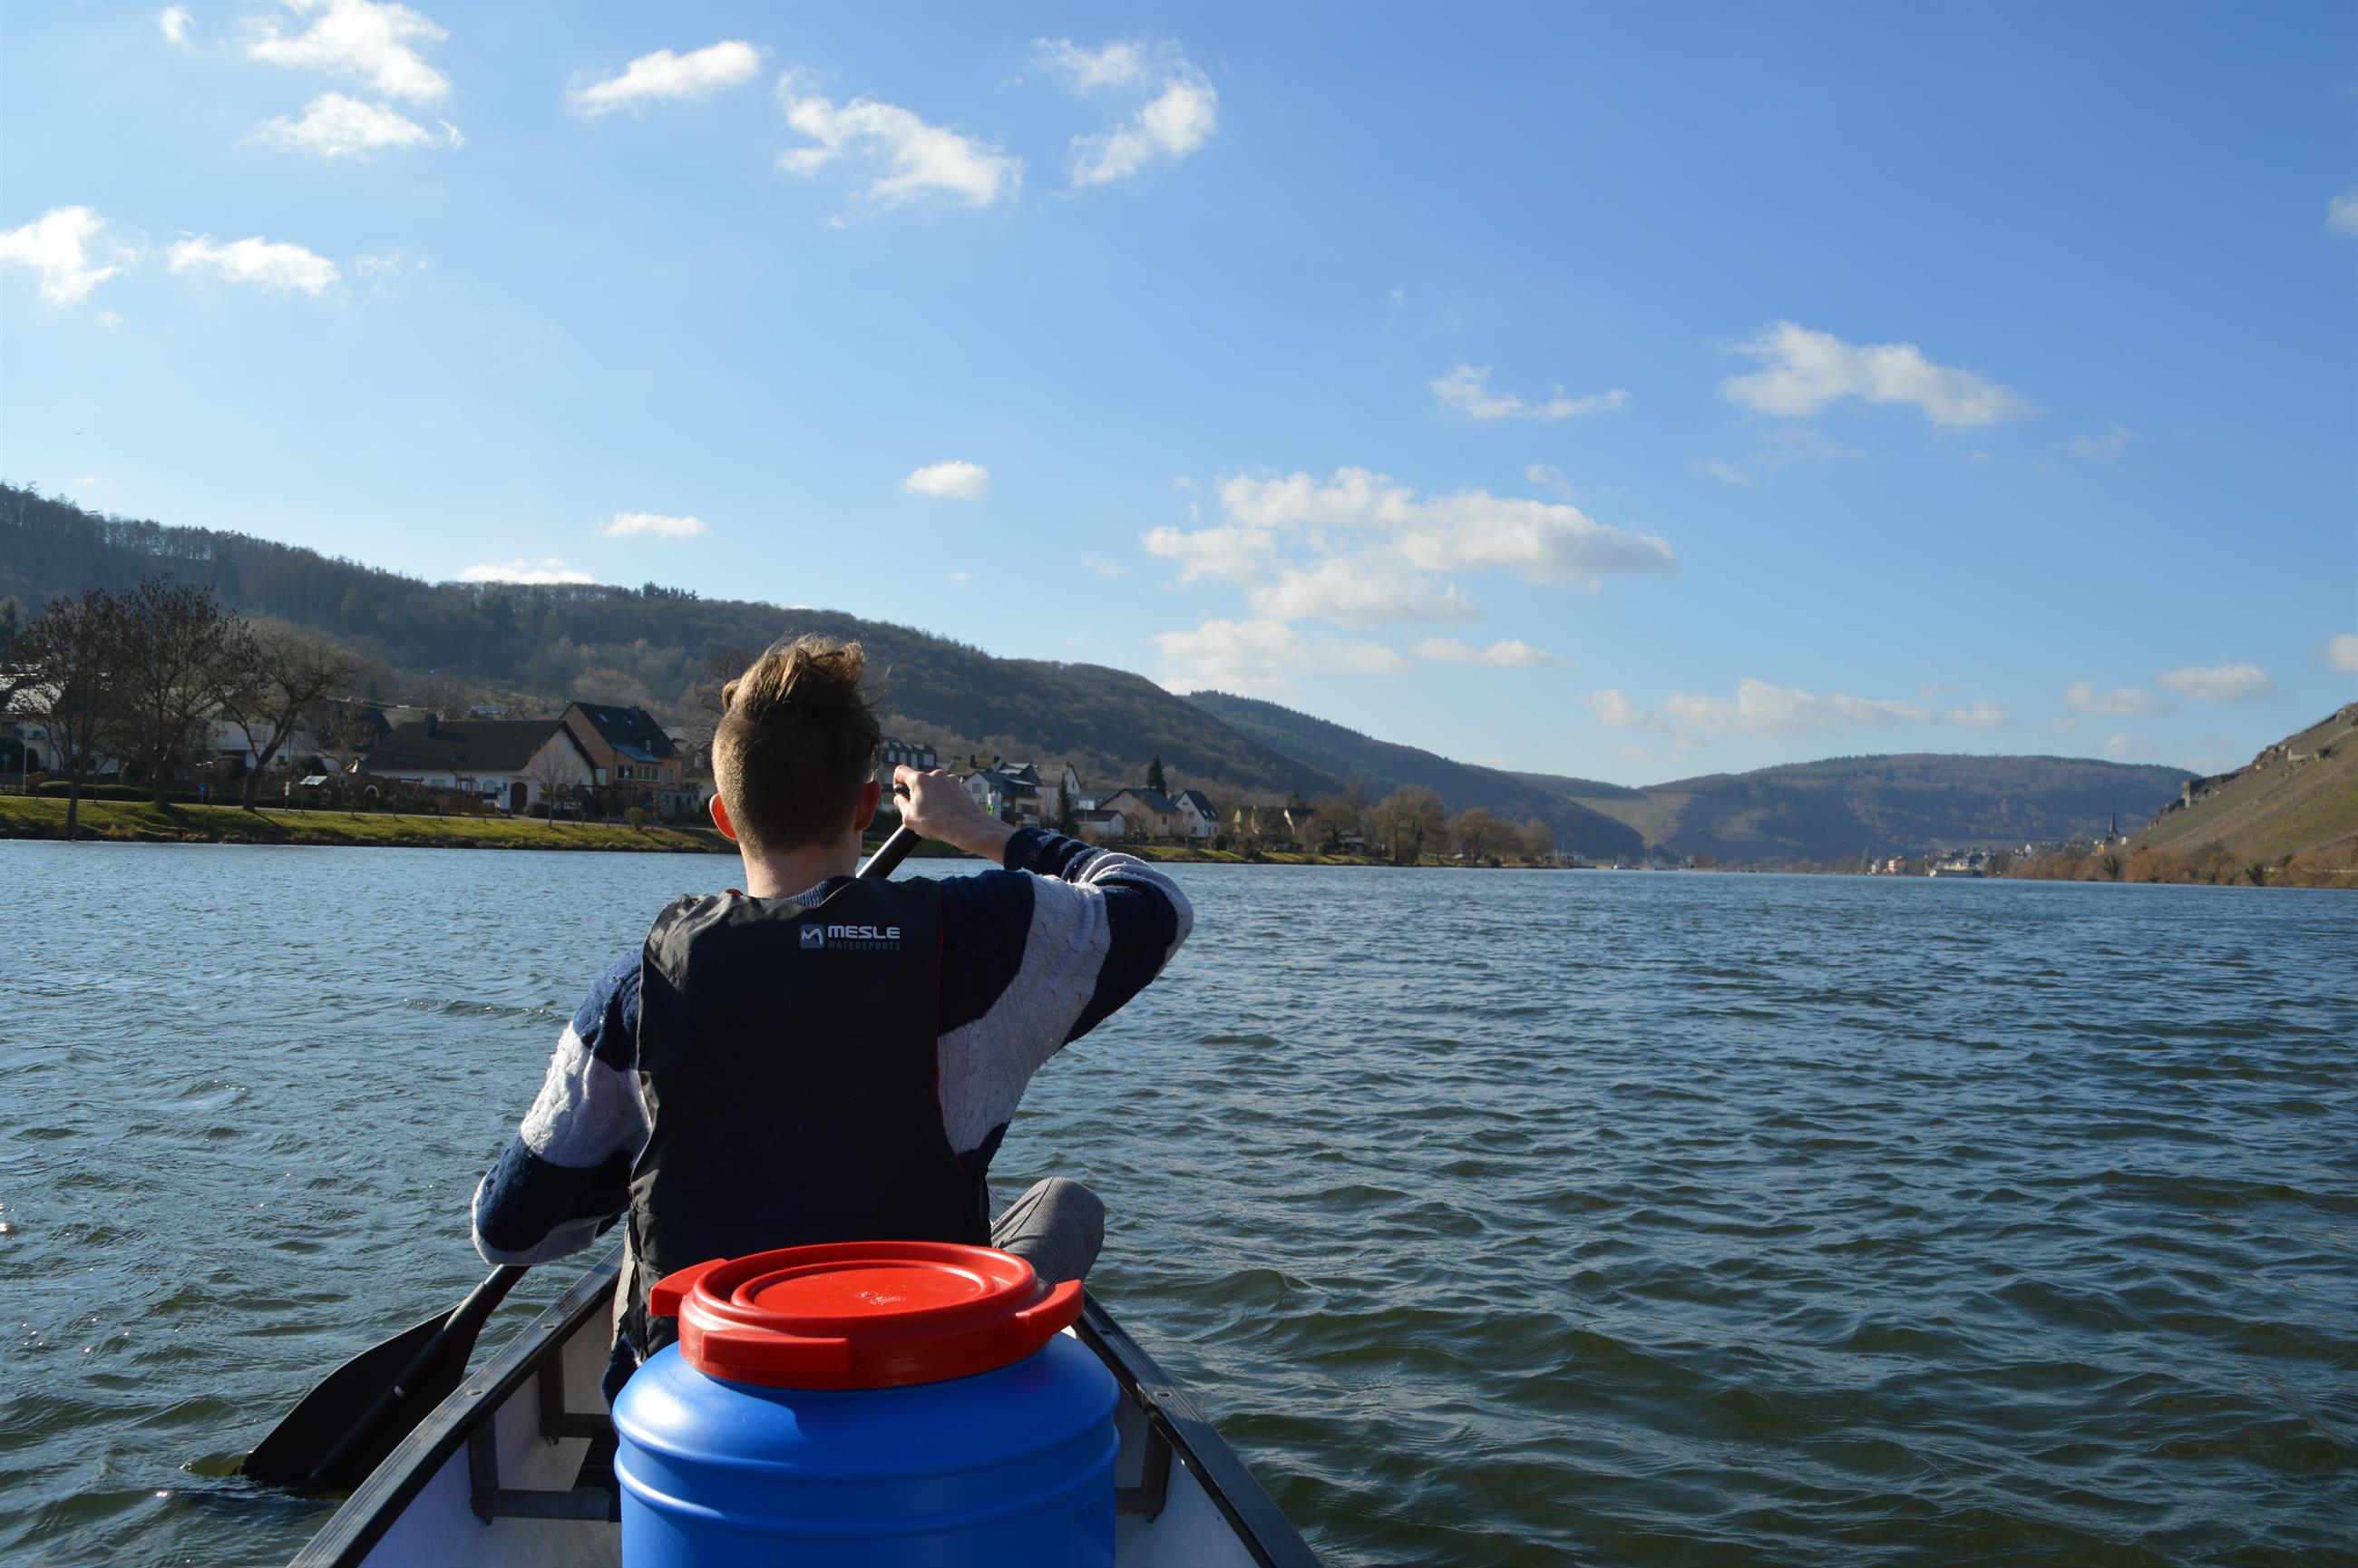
1057 1225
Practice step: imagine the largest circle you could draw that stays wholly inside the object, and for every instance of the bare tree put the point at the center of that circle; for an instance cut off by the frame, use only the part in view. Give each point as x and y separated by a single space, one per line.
1478 835
1408 819
177 657
69 655
289 672
704 695
1539 841
547 773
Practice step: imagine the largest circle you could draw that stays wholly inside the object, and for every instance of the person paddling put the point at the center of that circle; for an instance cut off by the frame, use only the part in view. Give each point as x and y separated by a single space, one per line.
819 1058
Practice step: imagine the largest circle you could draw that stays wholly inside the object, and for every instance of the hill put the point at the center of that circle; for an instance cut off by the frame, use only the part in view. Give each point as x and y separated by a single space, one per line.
647 646
1331 749
2299 795
1837 809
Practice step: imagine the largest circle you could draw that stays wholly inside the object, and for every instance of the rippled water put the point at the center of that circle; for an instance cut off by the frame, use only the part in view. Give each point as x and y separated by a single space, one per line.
1498 1218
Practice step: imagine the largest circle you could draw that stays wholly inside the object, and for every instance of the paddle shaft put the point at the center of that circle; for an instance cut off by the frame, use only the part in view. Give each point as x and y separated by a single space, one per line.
456 1336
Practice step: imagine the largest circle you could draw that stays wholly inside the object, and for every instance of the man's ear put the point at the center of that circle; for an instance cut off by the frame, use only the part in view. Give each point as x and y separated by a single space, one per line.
720 817
869 796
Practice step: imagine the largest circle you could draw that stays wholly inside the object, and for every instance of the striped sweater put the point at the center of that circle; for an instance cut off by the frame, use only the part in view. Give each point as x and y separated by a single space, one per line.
1032 958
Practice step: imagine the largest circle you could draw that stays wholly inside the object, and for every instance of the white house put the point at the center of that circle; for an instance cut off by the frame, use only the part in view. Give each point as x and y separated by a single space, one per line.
510 763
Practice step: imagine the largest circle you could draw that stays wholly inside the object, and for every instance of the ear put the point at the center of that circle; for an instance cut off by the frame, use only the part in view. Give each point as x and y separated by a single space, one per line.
870 795
720 817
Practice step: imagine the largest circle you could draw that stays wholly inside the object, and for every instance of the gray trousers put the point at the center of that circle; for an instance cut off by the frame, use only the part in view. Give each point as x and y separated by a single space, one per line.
1058 1226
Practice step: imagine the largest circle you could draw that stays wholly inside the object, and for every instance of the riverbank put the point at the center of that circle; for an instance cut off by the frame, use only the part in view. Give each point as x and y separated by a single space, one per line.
44 818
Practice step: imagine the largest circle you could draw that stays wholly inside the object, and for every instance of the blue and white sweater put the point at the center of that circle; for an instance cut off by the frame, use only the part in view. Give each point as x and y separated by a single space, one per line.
1032 958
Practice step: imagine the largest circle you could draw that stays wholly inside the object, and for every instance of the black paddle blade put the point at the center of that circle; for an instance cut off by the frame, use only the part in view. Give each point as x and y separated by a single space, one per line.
292 1452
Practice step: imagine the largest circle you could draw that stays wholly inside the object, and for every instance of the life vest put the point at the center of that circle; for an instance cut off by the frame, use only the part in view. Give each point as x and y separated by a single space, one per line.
787 1057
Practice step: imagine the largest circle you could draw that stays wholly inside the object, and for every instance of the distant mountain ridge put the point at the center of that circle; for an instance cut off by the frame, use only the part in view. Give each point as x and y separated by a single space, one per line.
1875 805
1386 766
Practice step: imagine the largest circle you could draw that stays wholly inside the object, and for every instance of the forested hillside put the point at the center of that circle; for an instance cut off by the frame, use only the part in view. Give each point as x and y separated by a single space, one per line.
1387 767
647 646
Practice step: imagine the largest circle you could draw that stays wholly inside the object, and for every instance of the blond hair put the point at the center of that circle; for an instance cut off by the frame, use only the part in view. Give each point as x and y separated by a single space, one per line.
797 739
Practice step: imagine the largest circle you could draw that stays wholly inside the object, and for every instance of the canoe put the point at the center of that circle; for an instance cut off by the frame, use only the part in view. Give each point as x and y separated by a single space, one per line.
514 1466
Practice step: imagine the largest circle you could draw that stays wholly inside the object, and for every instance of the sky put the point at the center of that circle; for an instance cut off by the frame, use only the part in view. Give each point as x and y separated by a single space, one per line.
1625 392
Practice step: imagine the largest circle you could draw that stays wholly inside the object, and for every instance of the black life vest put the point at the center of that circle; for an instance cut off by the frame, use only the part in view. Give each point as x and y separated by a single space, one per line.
787 1055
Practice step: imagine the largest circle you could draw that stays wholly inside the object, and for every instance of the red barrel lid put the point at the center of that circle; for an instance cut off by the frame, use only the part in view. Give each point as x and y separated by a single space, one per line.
863 1314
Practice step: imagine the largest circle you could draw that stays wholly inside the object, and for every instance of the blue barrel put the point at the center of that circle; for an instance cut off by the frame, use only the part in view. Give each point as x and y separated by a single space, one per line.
885 1404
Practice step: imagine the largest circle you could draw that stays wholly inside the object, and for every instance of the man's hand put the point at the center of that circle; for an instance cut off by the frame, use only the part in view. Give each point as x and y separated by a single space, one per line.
935 806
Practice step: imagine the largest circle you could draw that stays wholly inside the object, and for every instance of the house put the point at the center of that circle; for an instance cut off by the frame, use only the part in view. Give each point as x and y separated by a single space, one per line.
1020 793
904 754
1146 813
1102 824
1197 817
513 763
633 759
1275 826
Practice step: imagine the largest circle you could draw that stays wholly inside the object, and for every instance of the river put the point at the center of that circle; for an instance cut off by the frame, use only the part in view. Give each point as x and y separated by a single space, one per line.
1498 1218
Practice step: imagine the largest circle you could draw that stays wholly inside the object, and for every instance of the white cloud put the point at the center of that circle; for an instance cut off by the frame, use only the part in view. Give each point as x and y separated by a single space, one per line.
1466 388
919 159
57 245
1357 593
1244 655
1225 551
1984 715
1616 711
951 481
549 570
2342 212
364 38
173 20
268 264
388 275
1807 370
1507 652
1094 71
2126 748
107 318
1721 469
336 126
650 526
2105 446
2219 682
699 73
1763 709
1540 541
2126 700
1175 122
2341 652
1100 565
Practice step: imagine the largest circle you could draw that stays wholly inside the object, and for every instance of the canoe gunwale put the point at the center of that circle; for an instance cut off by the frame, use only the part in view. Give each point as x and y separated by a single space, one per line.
357 1525
352 1531
1257 1521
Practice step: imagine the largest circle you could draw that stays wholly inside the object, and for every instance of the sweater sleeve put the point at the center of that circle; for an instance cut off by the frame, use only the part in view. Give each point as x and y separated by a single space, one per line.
1035 956
565 1176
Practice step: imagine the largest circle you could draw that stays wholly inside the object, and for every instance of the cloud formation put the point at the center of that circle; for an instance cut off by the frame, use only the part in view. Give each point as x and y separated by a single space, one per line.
376 42
57 246
1805 371
2341 652
1508 653
1540 541
650 526
336 126
2083 696
545 571
2219 682
1466 389
267 264
1261 654
1763 708
699 73
173 22
2342 212
912 160
2126 748
2104 447
950 480
1360 593
1181 117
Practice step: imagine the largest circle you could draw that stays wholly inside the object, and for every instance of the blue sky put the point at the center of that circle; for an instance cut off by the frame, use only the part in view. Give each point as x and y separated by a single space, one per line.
1623 392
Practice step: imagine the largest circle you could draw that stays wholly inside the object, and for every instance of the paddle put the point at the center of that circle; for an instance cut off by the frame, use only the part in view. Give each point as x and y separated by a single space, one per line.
323 1443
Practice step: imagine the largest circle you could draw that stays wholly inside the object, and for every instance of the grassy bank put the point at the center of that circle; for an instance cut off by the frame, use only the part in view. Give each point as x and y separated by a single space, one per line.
26 817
